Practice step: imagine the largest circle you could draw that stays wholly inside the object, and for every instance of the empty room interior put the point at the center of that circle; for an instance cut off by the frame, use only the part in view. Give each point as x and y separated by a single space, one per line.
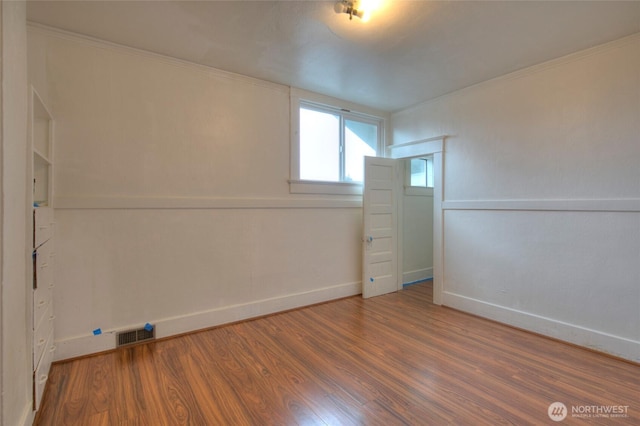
320 212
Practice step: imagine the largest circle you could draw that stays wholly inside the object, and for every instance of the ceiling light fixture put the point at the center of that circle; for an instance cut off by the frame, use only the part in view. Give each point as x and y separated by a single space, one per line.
352 8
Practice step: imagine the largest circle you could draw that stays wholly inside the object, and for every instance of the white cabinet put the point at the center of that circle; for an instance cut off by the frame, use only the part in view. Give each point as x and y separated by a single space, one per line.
42 296
42 225
43 285
43 256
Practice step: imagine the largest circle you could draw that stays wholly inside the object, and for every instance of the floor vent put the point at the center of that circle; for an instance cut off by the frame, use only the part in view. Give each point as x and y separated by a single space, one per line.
130 337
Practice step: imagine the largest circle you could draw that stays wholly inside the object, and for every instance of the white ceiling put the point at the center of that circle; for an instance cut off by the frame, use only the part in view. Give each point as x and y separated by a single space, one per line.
409 52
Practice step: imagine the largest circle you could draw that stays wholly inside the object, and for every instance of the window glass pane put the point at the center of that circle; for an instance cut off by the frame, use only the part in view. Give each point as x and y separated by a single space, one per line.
418 172
361 139
319 145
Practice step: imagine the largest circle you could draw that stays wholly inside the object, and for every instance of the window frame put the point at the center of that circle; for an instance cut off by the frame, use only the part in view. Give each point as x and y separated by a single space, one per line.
345 110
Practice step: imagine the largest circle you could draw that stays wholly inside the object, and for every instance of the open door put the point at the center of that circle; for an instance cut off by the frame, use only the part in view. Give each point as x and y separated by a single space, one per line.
380 198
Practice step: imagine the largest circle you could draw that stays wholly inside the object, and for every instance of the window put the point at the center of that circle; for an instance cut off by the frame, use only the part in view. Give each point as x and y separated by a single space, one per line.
329 144
419 176
333 144
421 172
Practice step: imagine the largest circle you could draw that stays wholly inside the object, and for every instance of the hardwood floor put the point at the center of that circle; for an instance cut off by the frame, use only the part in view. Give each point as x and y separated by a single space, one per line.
391 360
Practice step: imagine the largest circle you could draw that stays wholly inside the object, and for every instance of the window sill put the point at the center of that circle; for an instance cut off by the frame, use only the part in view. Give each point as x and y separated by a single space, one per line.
320 187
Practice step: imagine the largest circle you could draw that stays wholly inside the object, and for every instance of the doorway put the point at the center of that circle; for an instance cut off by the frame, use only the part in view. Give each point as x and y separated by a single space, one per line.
434 148
416 201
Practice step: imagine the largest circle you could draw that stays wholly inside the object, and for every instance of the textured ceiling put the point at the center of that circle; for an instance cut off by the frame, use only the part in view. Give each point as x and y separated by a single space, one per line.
409 52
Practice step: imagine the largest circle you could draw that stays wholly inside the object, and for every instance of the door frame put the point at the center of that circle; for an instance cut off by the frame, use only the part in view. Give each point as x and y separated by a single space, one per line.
434 147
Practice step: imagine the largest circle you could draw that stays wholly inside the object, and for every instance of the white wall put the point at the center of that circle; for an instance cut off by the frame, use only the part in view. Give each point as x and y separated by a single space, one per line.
172 201
542 196
16 328
417 234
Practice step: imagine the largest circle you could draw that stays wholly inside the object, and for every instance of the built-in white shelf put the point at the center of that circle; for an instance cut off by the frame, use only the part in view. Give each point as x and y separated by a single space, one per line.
42 258
42 148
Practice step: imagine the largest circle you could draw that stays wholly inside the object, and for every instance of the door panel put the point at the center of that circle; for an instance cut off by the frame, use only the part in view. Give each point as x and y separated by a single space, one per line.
380 197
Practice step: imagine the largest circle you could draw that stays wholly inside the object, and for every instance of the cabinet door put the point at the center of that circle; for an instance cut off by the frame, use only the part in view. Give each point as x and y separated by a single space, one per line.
41 334
43 272
41 302
43 225
41 373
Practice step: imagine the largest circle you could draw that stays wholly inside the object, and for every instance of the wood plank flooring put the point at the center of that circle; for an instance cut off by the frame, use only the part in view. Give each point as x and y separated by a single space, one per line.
391 360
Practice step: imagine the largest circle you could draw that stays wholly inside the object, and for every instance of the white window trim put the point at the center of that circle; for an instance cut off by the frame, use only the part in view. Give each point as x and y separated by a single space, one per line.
300 186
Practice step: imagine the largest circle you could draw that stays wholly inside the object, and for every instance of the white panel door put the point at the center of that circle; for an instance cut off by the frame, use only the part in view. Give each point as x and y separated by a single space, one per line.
380 198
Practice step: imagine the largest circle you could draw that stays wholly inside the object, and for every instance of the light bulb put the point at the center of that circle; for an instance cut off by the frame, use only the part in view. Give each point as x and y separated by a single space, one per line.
370 5
367 7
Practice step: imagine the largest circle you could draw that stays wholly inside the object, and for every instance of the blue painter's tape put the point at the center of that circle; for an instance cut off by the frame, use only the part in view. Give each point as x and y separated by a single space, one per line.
97 332
148 327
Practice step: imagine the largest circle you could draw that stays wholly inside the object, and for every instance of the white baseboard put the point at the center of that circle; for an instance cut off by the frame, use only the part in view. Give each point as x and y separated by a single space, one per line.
165 327
592 339
417 275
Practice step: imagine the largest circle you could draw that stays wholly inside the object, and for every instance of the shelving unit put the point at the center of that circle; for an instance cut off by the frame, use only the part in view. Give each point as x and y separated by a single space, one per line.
43 256
42 138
